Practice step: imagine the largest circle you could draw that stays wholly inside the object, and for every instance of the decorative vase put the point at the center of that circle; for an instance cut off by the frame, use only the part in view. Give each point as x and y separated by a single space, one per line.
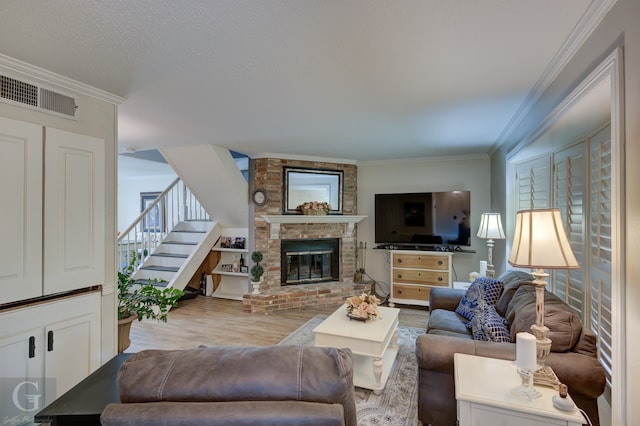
357 318
124 327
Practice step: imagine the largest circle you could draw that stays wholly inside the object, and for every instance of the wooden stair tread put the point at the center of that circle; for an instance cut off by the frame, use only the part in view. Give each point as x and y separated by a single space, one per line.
177 255
185 243
160 268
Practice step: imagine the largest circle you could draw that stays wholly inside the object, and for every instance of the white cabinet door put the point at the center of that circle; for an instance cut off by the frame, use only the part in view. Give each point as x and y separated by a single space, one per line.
18 354
21 371
20 210
74 207
71 351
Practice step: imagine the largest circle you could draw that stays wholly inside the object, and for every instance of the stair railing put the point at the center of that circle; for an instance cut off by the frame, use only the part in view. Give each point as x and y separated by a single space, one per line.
174 205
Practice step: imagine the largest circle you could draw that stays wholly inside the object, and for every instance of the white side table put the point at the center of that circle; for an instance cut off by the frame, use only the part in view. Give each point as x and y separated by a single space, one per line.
461 284
483 394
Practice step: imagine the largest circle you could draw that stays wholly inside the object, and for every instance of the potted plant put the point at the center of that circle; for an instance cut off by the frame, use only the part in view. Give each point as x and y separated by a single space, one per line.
256 271
141 301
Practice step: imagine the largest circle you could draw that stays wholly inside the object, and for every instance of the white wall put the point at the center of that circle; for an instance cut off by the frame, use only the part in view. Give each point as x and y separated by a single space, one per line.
423 175
153 177
214 178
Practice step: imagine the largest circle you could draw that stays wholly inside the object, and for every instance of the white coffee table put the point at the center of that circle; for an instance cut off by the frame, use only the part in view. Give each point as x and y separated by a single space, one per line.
373 344
483 394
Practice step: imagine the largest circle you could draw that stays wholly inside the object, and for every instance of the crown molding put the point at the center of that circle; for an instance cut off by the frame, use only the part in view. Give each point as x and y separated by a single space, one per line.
592 17
51 78
436 159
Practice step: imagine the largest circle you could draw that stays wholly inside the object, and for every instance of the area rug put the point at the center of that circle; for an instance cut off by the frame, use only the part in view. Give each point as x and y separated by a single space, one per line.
398 403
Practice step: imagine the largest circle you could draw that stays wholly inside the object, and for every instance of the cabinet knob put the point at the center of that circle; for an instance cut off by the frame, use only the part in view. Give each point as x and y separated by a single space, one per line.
399 276
439 278
399 291
399 260
440 262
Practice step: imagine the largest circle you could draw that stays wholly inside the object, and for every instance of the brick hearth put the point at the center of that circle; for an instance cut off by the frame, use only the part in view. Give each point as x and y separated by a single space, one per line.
301 296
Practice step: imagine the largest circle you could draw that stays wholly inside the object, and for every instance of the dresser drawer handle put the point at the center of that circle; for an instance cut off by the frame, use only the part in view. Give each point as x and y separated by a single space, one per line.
399 291
439 278
399 260
440 262
399 276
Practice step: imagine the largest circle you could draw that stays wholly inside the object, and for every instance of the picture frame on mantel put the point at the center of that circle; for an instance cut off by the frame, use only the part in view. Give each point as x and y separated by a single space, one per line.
302 185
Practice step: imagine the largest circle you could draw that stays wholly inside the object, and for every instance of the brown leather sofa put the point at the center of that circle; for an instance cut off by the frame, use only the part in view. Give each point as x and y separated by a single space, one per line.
573 354
224 385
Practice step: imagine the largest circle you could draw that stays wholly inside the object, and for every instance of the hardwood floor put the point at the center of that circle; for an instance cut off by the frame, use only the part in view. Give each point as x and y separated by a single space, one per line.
210 321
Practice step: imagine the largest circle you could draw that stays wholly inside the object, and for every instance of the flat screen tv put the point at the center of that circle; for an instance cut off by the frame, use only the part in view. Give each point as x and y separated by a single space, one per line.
423 219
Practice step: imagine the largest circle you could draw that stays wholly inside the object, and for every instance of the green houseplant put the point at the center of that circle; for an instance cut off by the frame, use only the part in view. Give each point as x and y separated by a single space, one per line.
256 271
141 301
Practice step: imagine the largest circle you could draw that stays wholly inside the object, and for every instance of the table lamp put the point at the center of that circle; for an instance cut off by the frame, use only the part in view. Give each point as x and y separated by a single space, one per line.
540 242
490 229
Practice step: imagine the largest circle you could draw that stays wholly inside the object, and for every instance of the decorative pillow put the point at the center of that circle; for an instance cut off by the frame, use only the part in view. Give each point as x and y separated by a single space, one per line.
511 280
563 322
489 326
483 288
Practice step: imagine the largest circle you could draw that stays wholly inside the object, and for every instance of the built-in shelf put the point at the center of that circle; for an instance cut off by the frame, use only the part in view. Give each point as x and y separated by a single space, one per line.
230 285
229 273
232 250
276 220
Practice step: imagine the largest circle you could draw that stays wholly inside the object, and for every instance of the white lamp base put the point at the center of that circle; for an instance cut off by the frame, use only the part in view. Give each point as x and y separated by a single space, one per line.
545 375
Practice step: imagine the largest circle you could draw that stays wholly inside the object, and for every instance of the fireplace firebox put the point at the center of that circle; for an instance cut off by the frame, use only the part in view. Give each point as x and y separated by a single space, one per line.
310 261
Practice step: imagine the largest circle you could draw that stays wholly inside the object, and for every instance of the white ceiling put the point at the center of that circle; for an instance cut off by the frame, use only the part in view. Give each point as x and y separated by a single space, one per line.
352 79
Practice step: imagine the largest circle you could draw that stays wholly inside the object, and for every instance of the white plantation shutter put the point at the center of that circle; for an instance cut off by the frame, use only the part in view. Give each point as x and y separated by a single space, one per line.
600 244
532 184
579 184
569 176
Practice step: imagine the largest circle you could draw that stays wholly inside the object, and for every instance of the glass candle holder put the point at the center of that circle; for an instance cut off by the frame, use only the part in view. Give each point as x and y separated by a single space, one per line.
526 389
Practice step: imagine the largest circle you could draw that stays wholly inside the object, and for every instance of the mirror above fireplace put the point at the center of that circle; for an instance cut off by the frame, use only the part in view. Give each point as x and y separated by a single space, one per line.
302 185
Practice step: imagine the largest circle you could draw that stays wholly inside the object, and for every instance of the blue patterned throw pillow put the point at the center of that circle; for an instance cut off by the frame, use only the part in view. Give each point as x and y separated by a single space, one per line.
489 326
485 288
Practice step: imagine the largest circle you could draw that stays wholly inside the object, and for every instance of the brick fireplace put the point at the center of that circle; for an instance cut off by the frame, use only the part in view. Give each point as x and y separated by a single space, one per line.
271 228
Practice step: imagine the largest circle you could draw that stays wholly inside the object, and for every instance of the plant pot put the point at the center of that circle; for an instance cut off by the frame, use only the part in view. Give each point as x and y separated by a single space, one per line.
124 327
256 286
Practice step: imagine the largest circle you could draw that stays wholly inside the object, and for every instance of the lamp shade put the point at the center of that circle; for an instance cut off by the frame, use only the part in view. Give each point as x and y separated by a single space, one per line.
540 241
491 227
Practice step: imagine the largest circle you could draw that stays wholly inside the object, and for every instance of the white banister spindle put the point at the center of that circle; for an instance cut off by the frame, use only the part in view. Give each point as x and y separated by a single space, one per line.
175 204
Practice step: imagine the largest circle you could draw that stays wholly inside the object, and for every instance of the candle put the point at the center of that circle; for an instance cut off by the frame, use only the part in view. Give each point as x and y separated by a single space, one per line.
526 351
483 267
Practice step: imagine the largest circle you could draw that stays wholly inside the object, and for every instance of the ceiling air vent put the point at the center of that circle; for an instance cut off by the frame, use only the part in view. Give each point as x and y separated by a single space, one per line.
31 96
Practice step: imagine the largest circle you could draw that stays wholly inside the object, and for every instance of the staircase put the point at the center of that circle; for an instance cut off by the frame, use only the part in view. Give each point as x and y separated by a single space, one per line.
170 239
172 255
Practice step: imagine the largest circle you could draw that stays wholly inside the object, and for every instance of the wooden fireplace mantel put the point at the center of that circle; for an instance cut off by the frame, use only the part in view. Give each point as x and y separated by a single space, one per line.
275 221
